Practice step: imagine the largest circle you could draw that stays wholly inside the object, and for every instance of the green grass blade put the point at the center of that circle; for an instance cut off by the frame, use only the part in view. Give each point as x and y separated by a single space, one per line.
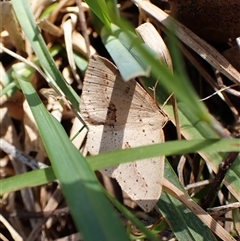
24 15
184 224
100 9
108 159
124 52
178 83
88 205
130 216
192 128
126 39
30 179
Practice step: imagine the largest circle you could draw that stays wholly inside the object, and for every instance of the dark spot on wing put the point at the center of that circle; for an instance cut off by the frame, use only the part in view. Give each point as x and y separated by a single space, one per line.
127 89
111 113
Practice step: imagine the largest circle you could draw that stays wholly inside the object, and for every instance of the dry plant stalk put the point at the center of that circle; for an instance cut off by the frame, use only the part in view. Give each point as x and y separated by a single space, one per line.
204 216
202 48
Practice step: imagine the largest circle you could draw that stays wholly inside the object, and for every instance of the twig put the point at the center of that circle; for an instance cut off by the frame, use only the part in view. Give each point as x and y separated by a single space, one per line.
223 168
18 155
26 214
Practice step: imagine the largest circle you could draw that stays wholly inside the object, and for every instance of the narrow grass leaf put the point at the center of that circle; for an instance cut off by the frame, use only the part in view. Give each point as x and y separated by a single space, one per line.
122 46
25 17
100 9
178 84
30 179
113 158
184 224
108 159
88 205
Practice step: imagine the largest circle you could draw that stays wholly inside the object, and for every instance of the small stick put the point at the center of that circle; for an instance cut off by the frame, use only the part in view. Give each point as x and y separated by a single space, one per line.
27 215
83 22
18 155
223 168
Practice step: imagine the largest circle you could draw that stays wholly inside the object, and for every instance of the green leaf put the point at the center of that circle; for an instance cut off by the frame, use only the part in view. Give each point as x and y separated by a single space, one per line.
100 9
123 48
108 159
184 224
88 205
127 41
25 17
29 179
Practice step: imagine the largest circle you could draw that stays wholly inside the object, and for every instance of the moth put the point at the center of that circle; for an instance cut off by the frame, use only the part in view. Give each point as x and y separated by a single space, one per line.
123 115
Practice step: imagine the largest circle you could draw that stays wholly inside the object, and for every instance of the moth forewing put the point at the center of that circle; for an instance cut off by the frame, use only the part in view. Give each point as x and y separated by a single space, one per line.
122 115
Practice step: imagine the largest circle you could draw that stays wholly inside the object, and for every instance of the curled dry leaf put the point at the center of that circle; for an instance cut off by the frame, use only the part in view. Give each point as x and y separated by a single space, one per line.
79 44
122 115
49 27
153 39
68 24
